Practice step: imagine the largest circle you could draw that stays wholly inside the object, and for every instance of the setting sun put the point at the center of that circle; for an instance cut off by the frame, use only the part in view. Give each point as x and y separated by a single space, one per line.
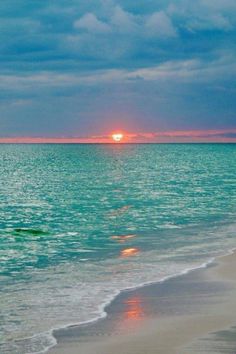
117 137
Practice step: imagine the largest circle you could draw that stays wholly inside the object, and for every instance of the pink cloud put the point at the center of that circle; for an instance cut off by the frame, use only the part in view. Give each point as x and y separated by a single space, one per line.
217 135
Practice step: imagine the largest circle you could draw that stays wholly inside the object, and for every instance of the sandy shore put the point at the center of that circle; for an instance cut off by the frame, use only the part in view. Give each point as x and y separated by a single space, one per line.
192 313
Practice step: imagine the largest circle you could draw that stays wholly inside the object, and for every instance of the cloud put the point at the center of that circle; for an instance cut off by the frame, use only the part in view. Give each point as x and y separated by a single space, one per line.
203 15
90 23
193 70
211 22
123 21
174 71
160 25
219 5
88 64
221 135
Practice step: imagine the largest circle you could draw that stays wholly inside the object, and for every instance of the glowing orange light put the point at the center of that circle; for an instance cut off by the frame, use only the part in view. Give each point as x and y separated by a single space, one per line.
129 252
133 313
117 137
133 309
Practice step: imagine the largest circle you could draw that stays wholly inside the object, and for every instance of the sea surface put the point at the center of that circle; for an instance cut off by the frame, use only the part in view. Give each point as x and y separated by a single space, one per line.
80 223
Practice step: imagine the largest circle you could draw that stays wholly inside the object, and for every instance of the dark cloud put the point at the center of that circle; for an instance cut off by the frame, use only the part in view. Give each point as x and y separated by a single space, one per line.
84 64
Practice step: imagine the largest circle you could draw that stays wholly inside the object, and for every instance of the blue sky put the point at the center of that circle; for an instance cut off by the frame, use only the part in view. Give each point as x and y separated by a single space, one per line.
79 68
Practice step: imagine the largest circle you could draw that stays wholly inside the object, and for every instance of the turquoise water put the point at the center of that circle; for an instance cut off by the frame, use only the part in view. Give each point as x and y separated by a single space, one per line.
79 223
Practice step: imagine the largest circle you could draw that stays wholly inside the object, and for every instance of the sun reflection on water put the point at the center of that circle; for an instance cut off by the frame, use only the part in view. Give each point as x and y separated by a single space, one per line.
128 252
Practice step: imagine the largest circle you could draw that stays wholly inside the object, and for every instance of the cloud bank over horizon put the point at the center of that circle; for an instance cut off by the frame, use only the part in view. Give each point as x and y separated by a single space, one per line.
76 68
177 136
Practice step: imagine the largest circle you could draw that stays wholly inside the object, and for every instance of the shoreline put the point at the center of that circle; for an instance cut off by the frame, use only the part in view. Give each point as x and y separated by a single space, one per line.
145 324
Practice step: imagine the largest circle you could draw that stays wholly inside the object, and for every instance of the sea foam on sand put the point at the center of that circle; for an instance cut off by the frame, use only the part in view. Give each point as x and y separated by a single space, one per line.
169 317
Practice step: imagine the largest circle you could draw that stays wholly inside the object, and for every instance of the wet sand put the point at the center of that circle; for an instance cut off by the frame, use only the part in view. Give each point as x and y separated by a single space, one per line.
192 313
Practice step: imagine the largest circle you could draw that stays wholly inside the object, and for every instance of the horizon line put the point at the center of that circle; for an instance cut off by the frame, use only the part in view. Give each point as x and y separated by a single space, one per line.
133 143
174 136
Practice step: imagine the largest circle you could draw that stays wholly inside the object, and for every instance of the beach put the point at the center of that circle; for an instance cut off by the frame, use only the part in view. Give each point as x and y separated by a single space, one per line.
191 313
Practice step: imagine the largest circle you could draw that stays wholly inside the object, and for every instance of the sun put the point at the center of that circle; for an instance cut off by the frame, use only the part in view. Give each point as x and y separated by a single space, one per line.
117 137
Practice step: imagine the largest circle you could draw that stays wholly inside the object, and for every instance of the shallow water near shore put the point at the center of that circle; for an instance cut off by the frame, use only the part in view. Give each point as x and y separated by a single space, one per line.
192 313
80 223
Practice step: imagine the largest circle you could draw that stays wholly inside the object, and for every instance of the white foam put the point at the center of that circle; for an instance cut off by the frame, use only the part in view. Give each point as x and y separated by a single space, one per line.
78 293
101 307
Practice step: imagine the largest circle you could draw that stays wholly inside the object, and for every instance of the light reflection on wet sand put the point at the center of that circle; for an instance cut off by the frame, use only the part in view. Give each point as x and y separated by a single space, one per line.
132 315
133 308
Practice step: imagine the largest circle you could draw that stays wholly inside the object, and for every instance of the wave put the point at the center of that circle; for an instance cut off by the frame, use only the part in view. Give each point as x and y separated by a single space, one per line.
40 343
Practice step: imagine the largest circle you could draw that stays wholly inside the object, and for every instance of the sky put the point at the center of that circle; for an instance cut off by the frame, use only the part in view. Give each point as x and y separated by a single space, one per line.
157 70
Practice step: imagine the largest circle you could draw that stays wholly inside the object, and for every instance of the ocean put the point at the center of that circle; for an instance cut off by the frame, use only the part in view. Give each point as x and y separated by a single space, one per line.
80 223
